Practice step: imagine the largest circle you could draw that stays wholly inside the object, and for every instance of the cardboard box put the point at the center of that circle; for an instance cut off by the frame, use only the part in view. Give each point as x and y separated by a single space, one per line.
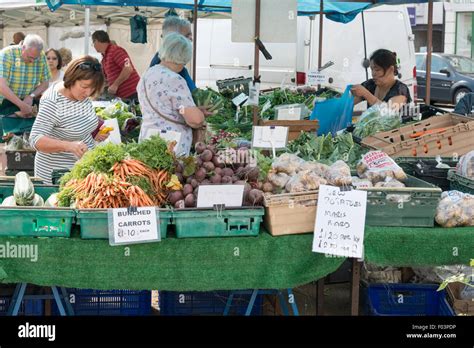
445 135
461 307
295 127
290 213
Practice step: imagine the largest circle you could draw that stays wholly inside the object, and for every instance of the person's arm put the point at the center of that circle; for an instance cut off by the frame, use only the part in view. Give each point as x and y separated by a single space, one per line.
122 59
193 116
8 94
397 102
37 92
361 93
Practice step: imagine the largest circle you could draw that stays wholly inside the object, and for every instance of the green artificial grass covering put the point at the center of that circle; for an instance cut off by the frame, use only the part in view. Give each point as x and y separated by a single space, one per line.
203 264
393 246
198 264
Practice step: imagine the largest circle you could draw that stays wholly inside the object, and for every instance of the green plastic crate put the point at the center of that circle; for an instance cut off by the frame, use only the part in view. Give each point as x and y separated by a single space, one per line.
424 168
417 209
460 183
94 223
36 221
6 190
231 222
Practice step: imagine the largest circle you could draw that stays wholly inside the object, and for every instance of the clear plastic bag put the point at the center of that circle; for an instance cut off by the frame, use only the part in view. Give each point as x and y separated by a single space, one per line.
304 181
465 166
339 174
455 209
287 163
377 166
378 118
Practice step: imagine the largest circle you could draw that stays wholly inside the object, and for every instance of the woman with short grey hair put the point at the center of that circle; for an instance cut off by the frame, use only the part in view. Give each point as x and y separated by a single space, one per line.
165 99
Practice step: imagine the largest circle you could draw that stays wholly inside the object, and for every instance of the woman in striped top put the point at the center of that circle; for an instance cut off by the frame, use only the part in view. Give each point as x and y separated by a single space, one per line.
66 118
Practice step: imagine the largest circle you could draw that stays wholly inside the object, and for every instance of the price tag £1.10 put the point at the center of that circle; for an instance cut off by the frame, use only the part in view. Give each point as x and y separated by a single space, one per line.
133 226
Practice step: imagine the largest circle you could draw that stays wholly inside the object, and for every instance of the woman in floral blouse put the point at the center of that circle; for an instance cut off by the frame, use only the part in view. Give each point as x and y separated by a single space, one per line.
164 96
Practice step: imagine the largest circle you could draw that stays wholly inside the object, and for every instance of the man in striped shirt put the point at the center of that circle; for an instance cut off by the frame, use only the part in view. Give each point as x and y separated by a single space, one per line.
122 78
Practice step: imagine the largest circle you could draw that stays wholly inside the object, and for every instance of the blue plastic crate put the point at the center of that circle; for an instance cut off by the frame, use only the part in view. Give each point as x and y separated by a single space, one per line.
30 307
206 303
406 300
108 302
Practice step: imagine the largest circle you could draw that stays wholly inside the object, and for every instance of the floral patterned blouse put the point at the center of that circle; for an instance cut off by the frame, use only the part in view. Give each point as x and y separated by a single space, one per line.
168 93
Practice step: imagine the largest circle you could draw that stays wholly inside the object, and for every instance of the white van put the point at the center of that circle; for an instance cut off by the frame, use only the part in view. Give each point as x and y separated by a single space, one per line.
343 44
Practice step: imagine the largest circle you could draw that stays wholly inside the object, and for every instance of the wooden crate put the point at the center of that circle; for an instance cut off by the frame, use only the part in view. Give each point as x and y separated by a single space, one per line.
454 137
295 127
290 213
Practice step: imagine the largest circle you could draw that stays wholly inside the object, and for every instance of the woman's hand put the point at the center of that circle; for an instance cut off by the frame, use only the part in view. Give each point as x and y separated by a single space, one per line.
359 91
205 111
101 137
78 148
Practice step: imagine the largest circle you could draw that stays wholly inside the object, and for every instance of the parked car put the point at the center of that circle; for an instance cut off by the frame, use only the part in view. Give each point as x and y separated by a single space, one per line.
452 77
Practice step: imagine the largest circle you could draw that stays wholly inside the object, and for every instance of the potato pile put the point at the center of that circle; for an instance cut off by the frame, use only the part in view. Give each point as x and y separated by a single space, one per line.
212 167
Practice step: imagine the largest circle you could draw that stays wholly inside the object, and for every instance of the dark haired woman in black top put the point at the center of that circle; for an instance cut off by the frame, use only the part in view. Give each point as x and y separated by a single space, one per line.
383 87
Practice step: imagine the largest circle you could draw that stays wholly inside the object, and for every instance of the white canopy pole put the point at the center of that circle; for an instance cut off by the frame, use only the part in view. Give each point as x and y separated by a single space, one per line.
87 19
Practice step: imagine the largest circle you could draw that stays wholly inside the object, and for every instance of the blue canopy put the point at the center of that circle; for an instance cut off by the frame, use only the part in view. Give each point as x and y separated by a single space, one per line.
339 11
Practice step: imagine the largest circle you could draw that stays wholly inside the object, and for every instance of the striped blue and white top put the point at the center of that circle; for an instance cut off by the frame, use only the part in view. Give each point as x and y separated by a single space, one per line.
63 119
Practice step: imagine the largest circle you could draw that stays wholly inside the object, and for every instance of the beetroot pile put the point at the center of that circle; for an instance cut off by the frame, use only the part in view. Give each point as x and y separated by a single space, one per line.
212 167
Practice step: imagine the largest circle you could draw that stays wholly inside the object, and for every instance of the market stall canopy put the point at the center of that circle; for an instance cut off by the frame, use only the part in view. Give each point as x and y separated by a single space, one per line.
335 10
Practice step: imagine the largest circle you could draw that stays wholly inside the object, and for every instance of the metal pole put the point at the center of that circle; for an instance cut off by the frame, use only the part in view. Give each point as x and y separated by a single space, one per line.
256 63
428 53
321 19
311 26
195 19
87 21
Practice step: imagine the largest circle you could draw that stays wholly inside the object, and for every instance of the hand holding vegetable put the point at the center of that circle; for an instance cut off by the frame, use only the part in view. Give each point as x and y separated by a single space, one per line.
103 133
78 148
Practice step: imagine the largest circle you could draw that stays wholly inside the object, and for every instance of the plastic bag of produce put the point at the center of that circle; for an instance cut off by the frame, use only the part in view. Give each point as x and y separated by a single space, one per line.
23 191
339 174
378 118
377 166
278 179
15 143
319 169
465 166
455 209
287 163
304 181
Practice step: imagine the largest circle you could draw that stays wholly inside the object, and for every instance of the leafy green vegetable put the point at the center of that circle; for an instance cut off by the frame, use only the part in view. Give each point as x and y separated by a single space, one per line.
153 152
326 149
264 164
99 160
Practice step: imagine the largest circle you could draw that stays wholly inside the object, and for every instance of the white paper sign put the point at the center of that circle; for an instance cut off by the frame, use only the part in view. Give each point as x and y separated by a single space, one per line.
290 113
254 93
228 195
240 99
166 135
133 227
340 222
114 135
316 78
269 137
